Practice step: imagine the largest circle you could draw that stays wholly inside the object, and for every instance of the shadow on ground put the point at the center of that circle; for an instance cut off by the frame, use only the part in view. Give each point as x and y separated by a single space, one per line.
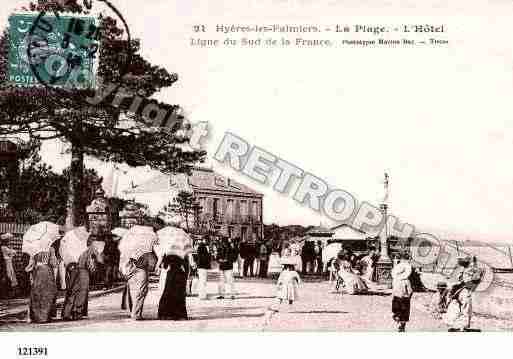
319 312
370 292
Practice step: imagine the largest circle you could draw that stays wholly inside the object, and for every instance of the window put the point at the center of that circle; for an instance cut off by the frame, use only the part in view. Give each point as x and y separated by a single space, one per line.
257 232
202 203
244 207
215 207
255 210
229 208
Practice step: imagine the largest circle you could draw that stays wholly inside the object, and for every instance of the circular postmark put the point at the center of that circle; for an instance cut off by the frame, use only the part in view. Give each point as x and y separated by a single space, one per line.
63 50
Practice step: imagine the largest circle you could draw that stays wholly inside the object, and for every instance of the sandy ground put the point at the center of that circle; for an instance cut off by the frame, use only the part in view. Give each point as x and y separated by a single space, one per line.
319 308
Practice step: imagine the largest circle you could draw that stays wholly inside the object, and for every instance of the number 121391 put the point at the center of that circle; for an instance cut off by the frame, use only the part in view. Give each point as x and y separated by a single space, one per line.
32 351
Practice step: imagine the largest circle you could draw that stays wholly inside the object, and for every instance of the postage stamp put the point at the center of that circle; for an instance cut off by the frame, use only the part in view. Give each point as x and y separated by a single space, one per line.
53 50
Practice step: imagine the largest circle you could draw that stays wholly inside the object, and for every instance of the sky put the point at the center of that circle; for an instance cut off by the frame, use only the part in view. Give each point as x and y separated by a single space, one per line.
438 119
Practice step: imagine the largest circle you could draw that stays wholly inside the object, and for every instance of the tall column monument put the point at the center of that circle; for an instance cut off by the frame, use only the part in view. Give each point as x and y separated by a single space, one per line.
384 264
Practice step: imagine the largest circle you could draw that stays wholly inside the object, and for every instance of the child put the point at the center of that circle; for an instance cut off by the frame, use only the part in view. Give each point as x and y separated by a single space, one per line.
402 292
288 283
438 304
333 269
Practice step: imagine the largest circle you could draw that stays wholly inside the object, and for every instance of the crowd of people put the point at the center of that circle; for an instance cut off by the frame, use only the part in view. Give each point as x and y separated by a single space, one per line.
355 274
12 283
261 258
48 273
311 257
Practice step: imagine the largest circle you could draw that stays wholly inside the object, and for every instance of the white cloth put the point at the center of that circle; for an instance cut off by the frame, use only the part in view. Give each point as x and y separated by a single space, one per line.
137 241
240 267
401 270
459 311
299 262
353 284
401 288
62 274
162 280
256 266
173 241
73 244
288 285
293 259
226 285
369 268
274 264
202 283
39 237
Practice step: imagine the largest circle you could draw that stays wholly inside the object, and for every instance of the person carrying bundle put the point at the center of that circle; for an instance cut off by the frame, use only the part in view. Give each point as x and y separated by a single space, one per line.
459 309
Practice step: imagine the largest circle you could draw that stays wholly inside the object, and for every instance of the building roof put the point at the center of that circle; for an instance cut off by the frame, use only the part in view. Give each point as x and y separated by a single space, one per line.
345 232
320 230
206 179
201 179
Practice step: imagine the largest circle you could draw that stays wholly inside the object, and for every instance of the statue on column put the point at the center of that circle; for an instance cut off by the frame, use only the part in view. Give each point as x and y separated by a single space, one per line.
384 264
386 188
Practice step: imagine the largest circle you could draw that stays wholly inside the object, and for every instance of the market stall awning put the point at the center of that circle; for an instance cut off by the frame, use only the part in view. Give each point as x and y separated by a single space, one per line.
345 232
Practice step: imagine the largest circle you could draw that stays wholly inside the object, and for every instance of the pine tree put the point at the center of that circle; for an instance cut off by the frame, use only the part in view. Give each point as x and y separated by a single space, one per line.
38 194
184 205
103 131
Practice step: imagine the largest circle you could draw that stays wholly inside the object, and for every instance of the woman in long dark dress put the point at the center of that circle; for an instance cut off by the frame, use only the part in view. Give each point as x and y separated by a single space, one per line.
77 284
43 291
172 303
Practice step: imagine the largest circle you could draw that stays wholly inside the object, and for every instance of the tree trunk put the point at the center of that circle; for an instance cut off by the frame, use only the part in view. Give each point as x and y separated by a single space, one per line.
75 187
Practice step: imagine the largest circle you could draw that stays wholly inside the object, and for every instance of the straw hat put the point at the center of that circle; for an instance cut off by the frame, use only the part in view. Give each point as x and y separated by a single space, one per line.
401 270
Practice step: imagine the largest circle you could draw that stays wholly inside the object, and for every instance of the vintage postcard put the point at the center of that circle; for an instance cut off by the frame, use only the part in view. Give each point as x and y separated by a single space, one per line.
255 166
